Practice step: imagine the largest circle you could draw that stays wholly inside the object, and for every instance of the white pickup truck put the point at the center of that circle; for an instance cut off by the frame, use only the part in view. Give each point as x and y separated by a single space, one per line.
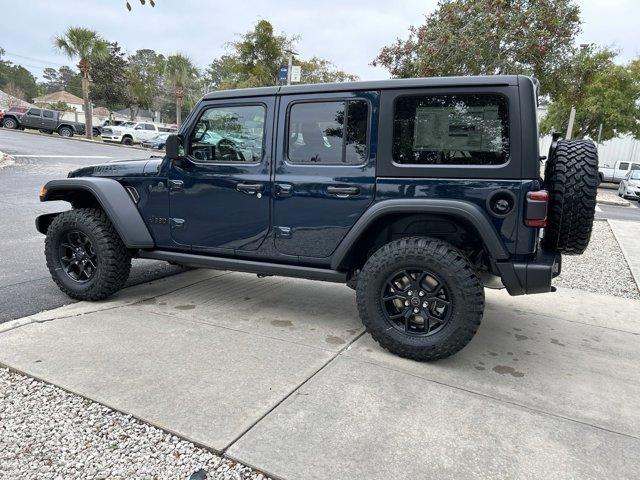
129 133
616 172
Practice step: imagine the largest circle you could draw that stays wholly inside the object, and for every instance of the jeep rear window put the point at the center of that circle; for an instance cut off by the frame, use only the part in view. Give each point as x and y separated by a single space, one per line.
319 134
460 129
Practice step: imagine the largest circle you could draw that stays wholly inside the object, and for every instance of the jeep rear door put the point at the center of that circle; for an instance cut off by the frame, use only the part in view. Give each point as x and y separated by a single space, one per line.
219 192
325 169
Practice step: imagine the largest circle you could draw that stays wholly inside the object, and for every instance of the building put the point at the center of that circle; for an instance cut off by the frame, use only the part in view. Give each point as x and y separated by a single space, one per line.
74 103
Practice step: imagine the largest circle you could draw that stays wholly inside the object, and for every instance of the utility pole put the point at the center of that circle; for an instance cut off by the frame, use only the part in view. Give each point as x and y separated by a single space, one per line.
291 54
572 118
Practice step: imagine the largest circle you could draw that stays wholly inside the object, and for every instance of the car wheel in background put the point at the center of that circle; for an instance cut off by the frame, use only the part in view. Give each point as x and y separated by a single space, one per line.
127 141
65 132
46 131
10 123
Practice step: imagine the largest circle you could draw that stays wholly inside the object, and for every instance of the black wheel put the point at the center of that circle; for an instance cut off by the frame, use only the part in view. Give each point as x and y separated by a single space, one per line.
572 180
420 298
65 132
85 254
10 123
127 141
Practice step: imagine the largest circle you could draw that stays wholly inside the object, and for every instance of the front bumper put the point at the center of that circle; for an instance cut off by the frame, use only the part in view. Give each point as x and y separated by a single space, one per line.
533 276
111 138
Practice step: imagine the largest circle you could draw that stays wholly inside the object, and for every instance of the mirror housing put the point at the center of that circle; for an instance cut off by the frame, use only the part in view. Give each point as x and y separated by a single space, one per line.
173 147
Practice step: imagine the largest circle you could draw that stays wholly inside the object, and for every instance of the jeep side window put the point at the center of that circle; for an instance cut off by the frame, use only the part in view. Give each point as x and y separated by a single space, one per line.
460 129
623 166
318 132
34 112
229 134
47 113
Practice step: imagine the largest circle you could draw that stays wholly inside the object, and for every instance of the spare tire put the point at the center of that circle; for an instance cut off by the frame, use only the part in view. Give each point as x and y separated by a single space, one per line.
571 177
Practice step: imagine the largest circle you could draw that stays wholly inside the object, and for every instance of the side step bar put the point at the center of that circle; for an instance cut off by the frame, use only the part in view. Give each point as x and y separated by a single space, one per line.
248 266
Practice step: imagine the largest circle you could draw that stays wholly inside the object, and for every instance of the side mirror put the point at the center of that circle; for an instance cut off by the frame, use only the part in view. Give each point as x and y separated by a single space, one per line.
173 147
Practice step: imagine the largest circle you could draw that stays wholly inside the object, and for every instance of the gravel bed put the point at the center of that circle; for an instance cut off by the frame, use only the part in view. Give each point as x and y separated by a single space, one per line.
601 269
48 433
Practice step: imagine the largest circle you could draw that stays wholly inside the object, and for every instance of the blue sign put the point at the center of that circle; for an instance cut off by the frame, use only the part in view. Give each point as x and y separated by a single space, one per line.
283 73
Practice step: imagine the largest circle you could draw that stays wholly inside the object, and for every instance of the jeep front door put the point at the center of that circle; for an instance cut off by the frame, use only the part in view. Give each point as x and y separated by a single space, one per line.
325 172
220 191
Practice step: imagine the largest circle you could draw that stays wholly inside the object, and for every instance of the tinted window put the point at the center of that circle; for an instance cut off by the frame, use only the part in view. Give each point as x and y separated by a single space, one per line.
623 166
148 126
635 166
35 112
229 134
464 129
318 132
47 114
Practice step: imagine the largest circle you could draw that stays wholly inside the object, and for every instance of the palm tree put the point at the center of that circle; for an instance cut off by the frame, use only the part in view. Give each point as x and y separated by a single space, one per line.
84 44
180 73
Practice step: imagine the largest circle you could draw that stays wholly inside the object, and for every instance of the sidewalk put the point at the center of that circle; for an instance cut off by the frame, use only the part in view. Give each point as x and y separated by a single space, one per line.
628 236
282 378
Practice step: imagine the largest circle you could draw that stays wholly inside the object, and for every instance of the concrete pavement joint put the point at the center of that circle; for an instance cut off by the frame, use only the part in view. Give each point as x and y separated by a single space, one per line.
294 390
491 397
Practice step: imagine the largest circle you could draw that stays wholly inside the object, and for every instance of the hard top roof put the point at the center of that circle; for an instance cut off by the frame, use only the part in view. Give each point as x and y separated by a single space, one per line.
370 85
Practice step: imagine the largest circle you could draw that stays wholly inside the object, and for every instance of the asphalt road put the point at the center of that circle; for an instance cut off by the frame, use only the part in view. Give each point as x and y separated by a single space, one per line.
25 285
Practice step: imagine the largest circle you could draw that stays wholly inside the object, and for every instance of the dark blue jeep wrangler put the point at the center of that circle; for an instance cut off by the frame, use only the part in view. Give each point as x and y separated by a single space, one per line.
416 193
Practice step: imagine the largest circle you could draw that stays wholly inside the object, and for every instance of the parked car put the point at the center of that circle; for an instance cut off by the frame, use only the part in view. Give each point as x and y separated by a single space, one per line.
4 111
630 185
129 133
157 142
415 192
48 121
617 172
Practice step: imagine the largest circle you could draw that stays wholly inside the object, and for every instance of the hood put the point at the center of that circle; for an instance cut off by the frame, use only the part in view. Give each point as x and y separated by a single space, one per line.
121 168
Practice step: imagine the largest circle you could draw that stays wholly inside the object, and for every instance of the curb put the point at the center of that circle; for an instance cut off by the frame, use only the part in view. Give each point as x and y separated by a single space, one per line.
80 139
635 272
6 160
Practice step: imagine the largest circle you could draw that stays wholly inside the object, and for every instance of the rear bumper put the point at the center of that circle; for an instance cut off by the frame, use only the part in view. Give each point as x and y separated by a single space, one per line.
533 276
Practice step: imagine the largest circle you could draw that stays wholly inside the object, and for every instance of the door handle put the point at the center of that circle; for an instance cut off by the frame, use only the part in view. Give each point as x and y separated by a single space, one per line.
249 187
176 185
343 192
283 189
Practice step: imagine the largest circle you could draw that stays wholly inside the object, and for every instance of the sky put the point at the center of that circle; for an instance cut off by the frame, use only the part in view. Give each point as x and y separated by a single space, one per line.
347 32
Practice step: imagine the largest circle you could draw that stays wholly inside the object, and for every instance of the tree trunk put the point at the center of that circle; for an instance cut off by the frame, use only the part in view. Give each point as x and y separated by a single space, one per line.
88 127
178 111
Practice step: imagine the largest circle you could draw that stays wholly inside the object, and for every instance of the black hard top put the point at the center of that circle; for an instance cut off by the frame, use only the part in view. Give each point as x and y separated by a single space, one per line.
371 85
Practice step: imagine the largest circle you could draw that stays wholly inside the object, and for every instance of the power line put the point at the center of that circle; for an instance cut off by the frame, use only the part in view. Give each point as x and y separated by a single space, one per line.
34 59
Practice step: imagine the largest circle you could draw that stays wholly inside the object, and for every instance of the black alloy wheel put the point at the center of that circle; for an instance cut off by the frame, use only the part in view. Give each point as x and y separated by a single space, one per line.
78 257
416 302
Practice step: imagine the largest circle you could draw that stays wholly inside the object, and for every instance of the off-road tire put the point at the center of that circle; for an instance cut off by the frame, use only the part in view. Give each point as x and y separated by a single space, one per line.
65 132
114 260
442 258
571 178
127 141
10 123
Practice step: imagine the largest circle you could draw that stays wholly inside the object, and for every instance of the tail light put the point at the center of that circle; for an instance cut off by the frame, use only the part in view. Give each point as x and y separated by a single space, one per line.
536 209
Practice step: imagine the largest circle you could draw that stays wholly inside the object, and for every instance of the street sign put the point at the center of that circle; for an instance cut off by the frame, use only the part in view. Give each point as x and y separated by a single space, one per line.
282 73
296 73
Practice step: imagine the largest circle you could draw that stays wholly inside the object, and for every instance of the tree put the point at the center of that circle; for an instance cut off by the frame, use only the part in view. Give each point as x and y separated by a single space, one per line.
84 44
65 78
61 106
144 78
602 92
142 2
487 37
109 76
18 78
181 75
255 59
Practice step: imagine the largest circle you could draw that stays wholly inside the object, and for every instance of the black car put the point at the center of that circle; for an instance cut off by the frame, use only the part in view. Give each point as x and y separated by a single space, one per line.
156 142
417 193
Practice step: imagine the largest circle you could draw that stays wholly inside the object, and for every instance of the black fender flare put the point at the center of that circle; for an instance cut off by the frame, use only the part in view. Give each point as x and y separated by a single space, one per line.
467 211
114 200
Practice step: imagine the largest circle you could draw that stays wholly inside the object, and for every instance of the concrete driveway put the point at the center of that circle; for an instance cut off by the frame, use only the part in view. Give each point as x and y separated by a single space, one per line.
278 374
